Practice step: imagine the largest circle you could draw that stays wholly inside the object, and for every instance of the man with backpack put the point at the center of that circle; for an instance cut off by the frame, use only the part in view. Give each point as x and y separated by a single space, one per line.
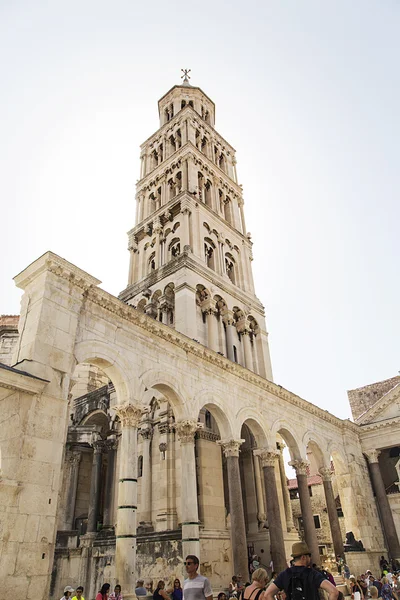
301 582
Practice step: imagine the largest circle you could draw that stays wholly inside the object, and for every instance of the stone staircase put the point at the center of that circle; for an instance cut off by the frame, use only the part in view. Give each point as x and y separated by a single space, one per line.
341 586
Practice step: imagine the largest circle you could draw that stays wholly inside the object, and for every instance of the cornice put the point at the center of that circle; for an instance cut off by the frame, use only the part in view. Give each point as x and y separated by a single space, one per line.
19 382
378 425
60 267
187 259
375 410
189 87
150 326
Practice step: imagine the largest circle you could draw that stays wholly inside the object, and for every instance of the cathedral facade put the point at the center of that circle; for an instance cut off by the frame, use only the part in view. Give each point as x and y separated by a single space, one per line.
139 429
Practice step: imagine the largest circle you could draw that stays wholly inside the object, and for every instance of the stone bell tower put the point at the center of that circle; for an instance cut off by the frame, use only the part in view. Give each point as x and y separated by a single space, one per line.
190 254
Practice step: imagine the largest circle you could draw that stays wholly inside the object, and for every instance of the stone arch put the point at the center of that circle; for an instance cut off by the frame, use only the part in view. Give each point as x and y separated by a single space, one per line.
141 305
314 443
209 253
217 407
170 387
338 458
97 417
202 293
231 268
251 418
291 439
108 358
156 296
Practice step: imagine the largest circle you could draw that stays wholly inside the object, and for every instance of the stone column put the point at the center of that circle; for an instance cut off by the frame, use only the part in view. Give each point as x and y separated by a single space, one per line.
242 218
189 506
261 513
111 446
306 511
337 540
238 527
277 543
146 499
245 337
184 175
383 504
185 210
192 174
229 328
125 550
234 162
212 332
285 491
94 497
72 460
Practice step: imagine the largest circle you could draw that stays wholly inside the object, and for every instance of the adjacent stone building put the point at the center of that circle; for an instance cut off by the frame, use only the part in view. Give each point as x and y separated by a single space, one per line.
139 429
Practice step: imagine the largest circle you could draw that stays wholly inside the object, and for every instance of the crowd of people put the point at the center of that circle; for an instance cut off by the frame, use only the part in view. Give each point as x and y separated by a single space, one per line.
301 581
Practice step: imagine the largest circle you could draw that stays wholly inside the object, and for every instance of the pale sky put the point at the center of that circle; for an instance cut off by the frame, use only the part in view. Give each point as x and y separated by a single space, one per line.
308 94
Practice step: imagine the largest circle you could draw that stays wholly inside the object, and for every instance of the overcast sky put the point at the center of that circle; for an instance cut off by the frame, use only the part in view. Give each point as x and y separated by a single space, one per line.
308 94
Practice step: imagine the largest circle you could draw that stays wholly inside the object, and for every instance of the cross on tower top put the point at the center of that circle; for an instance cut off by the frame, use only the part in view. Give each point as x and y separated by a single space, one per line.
185 75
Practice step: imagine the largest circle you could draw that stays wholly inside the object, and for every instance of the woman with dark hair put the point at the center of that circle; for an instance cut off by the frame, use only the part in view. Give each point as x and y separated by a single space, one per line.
177 591
116 595
103 593
159 592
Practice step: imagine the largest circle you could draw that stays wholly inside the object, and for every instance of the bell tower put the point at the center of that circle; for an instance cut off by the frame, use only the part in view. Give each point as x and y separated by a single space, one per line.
190 254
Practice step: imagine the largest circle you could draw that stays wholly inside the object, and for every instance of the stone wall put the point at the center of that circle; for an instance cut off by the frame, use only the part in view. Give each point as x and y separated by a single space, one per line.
83 565
31 443
8 338
361 399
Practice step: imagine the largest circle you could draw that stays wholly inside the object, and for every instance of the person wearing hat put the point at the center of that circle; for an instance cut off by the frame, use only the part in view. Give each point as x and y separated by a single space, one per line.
67 592
301 582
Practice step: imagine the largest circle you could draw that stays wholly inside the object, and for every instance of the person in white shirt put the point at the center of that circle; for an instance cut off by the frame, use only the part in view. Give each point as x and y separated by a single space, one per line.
196 586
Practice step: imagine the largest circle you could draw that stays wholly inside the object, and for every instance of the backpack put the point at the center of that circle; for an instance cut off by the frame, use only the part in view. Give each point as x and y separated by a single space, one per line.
300 589
297 588
386 592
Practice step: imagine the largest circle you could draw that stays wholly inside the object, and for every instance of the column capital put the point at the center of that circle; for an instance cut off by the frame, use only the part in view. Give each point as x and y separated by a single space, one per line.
300 466
111 443
228 317
372 455
268 457
326 473
98 446
73 456
146 432
186 430
230 447
242 326
130 414
208 306
280 446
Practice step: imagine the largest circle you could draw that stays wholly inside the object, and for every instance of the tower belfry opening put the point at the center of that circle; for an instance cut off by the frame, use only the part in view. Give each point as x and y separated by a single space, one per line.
190 234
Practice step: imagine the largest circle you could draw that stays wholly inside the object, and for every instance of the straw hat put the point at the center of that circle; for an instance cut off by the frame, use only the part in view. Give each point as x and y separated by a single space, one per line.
300 548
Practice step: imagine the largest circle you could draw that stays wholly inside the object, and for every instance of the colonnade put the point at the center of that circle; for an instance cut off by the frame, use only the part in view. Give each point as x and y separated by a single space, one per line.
242 344
72 462
267 462
270 461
